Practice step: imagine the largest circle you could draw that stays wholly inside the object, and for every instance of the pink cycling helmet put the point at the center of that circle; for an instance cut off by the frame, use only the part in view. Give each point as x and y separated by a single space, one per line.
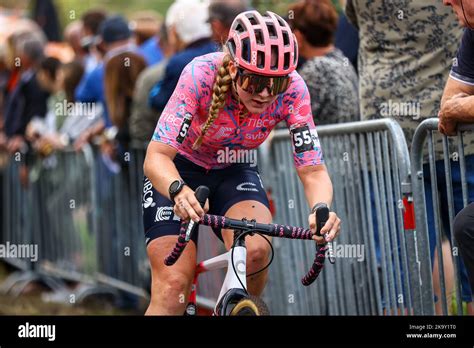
263 44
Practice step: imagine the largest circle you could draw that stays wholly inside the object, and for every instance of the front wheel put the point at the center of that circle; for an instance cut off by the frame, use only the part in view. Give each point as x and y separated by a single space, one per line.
250 306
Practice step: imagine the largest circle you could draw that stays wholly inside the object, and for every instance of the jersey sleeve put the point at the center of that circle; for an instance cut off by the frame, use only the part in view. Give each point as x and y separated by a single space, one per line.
463 66
299 119
175 120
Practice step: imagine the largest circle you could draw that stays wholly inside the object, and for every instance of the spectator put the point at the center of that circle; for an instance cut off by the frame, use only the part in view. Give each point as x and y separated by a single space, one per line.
457 107
189 32
114 39
464 234
25 99
91 22
331 79
347 37
120 80
72 36
404 61
79 118
221 16
145 26
143 119
49 80
45 14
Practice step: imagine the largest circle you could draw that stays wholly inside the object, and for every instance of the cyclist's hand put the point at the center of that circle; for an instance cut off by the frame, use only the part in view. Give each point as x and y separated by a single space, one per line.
332 228
187 206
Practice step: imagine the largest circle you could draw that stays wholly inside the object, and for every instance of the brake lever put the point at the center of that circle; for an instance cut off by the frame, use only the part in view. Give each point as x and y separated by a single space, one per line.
321 211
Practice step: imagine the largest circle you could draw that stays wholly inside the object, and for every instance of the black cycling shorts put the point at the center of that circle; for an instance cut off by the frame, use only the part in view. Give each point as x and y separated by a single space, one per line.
228 186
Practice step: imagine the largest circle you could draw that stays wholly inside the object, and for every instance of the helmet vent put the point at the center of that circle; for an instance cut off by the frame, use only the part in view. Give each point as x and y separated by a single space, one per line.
286 61
240 27
231 47
252 20
259 37
274 58
246 49
286 38
280 20
260 59
271 30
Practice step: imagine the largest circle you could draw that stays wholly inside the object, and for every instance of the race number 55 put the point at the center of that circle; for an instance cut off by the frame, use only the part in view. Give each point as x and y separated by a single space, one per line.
302 140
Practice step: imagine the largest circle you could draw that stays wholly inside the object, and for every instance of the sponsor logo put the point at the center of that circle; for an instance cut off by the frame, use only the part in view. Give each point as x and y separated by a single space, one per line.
165 214
245 187
148 195
261 122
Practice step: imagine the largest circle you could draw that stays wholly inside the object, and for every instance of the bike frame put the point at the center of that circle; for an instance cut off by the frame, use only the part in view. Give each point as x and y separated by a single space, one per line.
231 290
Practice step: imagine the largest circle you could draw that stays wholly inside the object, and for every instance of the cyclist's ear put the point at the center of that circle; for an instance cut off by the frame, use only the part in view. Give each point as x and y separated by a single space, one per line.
232 69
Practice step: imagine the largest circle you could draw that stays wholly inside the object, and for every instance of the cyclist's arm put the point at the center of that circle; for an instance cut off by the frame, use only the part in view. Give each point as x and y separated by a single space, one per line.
169 136
317 184
159 166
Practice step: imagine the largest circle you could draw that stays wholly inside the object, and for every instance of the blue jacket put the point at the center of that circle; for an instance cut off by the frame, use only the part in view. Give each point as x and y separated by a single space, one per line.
163 90
151 51
91 90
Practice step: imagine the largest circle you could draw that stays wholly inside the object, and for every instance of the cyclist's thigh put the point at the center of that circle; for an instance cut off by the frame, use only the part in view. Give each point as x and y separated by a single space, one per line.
240 194
158 249
162 227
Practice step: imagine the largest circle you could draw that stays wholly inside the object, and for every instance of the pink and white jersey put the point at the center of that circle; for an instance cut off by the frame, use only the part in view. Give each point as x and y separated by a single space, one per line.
187 110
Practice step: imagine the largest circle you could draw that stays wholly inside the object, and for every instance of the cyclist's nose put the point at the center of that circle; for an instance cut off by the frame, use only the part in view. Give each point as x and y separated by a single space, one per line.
265 93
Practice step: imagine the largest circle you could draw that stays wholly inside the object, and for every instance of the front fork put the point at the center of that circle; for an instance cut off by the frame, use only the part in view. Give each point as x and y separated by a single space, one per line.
231 296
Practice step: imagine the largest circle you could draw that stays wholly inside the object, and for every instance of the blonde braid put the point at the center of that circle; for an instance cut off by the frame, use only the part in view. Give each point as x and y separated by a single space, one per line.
220 89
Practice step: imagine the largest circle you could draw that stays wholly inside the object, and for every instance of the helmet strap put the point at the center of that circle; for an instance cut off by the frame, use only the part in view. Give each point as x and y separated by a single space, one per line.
240 106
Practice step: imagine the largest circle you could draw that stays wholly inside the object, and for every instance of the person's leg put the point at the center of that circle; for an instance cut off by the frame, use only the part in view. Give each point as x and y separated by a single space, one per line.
258 248
466 292
171 285
431 216
241 195
464 234
449 277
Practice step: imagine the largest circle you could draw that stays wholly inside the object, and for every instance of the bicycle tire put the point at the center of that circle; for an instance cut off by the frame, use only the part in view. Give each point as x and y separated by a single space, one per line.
250 306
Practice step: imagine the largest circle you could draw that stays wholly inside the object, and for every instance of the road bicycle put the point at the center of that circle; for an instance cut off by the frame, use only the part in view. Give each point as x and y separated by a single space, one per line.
234 299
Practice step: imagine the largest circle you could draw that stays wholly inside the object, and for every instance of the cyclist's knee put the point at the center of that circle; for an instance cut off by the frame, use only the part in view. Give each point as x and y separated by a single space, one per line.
176 287
171 291
257 253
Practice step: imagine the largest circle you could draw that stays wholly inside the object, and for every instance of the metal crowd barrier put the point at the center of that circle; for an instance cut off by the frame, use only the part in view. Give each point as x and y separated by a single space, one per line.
425 134
369 165
85 219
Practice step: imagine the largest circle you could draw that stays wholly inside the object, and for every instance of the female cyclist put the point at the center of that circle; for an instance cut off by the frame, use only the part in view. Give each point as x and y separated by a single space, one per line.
230 99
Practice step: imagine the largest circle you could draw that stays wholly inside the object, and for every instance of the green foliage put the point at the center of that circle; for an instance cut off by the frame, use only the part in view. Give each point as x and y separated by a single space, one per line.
70 10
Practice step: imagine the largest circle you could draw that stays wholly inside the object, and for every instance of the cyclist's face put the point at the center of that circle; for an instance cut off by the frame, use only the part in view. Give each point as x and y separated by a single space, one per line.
466 16
255 103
